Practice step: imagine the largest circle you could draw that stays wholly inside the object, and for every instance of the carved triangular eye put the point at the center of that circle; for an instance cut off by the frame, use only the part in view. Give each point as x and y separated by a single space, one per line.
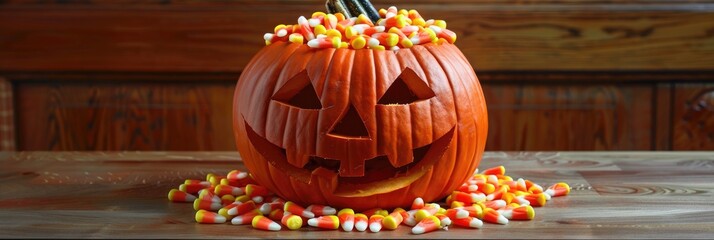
406 89
298 92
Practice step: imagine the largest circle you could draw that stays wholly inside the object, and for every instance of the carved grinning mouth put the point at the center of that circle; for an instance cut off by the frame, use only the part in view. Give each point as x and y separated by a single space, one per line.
379 174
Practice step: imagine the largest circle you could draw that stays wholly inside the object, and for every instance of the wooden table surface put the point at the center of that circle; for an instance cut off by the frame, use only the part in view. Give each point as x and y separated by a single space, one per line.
123 195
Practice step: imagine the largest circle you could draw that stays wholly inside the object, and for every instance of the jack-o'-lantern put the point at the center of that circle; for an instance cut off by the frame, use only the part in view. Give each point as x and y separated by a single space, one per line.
360 128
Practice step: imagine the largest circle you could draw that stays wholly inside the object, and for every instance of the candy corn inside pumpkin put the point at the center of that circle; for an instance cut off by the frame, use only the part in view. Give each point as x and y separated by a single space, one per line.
395 29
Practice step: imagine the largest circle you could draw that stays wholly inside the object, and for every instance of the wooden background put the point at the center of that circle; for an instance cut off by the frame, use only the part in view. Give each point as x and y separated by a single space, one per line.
557 74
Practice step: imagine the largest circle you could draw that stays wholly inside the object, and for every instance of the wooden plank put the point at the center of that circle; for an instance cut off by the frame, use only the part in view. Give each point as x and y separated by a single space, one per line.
7 116
662 117
569 117
693 116
221 36
125 116
615 195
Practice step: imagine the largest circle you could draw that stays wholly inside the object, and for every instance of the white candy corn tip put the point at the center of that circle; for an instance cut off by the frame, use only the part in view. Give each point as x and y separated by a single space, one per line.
302 20
313 43
329 211
348 226
445 222
549 192
265 208
313 22
361 226
418 230
506 213
273 226
308 214
461 213
375 227
477 223
237 220
501 220
312 222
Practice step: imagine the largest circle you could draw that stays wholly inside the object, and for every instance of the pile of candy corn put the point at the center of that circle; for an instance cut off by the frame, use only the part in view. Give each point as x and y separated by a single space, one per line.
489 196
394 30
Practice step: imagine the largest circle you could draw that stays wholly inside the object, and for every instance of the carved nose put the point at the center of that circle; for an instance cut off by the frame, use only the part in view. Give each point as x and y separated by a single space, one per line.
350 125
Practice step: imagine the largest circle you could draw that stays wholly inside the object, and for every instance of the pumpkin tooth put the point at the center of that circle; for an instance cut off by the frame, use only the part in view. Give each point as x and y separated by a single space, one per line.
402 158
325 178
296 158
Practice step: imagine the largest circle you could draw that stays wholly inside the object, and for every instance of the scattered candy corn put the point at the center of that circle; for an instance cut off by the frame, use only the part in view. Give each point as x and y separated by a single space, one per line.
325 222
203 216
487 197
347 219
292 222
264 223
428 224
176 195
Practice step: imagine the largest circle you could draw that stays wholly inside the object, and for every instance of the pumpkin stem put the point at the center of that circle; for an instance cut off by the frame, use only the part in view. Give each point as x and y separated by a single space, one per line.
353 8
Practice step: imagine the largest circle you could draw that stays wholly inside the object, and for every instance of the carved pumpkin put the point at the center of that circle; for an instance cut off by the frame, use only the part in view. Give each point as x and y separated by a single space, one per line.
360 128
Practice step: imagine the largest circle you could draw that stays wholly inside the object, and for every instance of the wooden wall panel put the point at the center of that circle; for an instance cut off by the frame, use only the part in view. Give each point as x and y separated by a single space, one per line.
569 117
217 36
125 116
693 117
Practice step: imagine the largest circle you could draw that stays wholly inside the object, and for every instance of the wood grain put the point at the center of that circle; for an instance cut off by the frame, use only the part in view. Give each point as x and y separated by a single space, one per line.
693 116
569 116
615 195
125 116
220 36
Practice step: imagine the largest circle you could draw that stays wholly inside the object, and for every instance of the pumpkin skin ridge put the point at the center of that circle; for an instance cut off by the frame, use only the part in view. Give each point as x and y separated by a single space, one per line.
450 68
385 200
422 56
453 178
479 140
237 126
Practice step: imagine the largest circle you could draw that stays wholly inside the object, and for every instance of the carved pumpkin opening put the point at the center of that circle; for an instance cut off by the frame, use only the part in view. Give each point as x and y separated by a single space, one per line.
298 92
350 125
380 176
406 89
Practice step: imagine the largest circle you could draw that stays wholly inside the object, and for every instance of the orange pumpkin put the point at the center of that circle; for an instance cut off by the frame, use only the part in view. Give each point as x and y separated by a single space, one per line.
360 128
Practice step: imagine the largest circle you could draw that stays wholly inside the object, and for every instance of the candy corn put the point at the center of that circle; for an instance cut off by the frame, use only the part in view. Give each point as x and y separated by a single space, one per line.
428 224
293 208
489 196
246 218
558 189
375 223
347 219
392 220
203 216
468 222
320 210
418 203
325 222
518 213
492 216
264 223
292 222
361 222
176 195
